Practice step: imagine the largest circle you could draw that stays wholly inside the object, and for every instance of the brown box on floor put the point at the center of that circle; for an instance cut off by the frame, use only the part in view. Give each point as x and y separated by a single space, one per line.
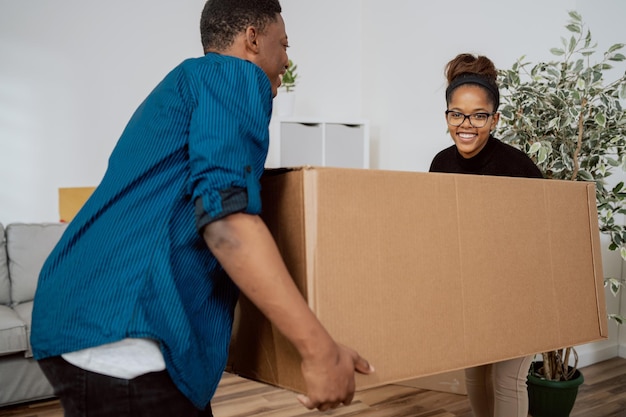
426 273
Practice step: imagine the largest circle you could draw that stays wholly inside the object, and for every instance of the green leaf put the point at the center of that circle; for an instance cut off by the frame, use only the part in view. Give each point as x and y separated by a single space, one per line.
578 67
622 92
600 119
575 16
554 123
542 155
573 28
506 113
534 148
597 76
572 44
617 57
585 175
615 47
612 162
556 74
614 284
557 51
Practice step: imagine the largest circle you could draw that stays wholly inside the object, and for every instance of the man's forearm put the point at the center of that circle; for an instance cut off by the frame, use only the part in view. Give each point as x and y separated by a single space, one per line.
247 251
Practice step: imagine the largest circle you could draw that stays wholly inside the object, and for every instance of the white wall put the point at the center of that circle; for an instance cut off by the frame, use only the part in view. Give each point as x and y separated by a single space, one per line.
408 53
71 74
73 71
404 46
325 41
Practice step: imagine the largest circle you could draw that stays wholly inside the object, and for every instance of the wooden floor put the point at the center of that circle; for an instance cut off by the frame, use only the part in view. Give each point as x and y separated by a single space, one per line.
603 394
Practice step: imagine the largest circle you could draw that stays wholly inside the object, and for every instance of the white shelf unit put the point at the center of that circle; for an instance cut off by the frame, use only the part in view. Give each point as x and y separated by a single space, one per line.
321 142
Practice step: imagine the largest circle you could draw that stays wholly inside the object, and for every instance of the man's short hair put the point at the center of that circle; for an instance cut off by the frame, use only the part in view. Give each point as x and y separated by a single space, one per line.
223 20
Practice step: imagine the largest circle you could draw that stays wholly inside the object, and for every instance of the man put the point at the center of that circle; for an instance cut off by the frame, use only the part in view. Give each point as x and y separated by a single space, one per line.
134 306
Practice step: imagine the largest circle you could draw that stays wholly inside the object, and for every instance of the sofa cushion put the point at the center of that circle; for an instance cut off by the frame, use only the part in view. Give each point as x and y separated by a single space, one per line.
28 246
12 332
5 284
25 312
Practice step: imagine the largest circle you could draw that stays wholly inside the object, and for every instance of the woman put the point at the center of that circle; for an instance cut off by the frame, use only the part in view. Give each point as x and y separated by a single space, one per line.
472 97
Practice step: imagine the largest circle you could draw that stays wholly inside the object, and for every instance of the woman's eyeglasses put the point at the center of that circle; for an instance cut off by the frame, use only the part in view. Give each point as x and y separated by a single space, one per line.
455 118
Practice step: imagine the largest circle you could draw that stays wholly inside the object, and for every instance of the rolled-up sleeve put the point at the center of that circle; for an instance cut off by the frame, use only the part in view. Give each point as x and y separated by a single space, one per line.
228 139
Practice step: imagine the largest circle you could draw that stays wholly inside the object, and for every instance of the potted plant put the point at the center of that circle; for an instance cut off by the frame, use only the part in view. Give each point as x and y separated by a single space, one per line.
289 77
284 102
553 384
569 119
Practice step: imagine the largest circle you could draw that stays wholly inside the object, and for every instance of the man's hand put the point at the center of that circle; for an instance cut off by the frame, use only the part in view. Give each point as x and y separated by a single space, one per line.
330 378
248 253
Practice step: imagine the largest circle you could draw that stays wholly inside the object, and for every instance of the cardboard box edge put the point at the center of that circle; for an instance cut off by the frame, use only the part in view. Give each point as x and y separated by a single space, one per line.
597 260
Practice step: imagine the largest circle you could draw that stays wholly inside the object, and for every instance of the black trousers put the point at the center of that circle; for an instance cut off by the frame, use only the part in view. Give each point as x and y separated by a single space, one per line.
89 394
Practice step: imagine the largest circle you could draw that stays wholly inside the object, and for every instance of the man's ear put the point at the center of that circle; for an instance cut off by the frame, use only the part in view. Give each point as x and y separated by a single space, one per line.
252 38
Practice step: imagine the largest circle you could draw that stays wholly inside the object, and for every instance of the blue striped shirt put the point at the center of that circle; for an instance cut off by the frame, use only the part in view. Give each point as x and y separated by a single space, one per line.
132 263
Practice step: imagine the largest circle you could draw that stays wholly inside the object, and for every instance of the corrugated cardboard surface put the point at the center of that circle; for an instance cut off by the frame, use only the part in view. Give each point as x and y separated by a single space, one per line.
426 273
452 381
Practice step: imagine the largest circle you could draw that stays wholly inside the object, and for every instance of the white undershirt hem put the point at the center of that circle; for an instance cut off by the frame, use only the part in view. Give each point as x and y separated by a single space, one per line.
126 359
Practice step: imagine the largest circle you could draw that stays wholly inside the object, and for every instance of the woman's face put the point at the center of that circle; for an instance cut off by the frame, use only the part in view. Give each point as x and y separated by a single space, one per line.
469 99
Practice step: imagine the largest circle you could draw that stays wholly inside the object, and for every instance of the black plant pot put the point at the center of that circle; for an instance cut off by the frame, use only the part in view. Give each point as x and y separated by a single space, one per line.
552 398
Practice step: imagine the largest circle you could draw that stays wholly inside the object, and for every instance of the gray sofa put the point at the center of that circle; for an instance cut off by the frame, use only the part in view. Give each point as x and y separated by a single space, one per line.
23 249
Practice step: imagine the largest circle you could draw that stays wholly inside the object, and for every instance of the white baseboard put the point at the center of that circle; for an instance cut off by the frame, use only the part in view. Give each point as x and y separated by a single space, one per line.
588 354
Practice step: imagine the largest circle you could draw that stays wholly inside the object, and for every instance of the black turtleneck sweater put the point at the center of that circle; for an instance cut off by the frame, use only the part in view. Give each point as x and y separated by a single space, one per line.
496 158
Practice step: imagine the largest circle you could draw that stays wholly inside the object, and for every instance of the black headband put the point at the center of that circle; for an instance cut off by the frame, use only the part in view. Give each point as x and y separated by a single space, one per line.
491 87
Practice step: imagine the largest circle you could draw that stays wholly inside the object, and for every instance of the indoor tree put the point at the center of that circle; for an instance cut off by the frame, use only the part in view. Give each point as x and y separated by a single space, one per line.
568 116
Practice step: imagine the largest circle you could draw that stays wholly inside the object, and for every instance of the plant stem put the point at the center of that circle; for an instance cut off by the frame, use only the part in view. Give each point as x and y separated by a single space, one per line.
579 142
547 365
566 362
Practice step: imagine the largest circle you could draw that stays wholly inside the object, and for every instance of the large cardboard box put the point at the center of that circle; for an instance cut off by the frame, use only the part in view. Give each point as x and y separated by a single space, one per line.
426 273
451 381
